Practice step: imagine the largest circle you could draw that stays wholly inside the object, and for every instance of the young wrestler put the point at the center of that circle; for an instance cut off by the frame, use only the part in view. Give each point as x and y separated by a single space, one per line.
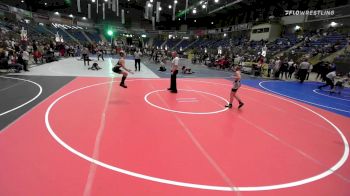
117 69
236 85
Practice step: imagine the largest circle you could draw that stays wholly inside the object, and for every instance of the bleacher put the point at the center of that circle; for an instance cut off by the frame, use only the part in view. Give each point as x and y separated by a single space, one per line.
78 35
324 44
172 42
183 44
94 36
158 42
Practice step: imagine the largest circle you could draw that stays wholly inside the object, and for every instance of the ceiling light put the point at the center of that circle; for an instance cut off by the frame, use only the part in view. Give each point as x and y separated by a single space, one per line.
169 6
333 24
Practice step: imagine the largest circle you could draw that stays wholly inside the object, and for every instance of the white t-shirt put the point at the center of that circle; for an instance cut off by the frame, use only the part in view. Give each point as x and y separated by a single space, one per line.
137 55
304 65
175 63
25 56
331 75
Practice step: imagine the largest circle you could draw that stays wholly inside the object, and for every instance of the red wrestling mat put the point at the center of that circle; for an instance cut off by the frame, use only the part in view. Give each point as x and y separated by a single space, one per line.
96 138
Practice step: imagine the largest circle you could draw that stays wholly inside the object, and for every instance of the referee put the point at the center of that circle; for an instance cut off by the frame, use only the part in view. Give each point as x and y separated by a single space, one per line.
174 71
303 69
137 56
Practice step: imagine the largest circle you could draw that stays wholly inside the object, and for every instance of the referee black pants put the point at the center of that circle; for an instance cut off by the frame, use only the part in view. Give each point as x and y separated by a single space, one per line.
302 74
173 81
137 61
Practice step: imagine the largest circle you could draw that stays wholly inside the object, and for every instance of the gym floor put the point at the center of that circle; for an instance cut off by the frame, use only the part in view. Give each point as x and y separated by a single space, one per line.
67 130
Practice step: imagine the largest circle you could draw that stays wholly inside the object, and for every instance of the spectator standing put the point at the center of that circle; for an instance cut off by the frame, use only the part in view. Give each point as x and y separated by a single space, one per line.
25 57
270 68
276 68
308 72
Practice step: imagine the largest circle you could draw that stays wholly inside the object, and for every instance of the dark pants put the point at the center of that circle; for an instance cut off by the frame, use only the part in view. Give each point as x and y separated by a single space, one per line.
100 55
302 74
290 74
137 61
318 75
173 81
329 82
285 73
25 65
307 75
277 73
86 59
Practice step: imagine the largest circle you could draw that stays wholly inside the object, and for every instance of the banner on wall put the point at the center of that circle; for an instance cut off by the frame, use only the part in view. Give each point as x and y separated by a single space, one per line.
109 4
157 11
61 20
240 27
174 10
153 23
97 5
41 18
117 7
89 11
78 5
113 5
103 11
146 14
84 24
338 12
21 12
199 32
123 16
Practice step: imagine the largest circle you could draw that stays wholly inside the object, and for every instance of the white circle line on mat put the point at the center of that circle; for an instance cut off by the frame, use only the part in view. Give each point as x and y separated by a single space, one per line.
324 106
203 186
183 112
26 103
315 91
